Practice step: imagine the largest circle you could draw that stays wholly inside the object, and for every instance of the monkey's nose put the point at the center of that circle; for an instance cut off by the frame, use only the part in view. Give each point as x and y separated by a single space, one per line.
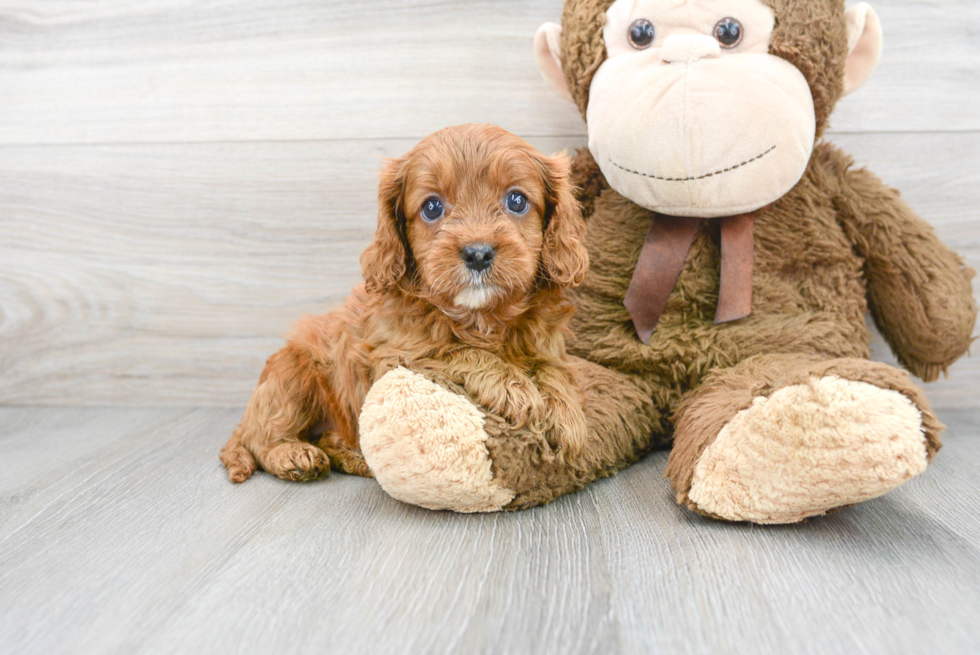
478 256
681 48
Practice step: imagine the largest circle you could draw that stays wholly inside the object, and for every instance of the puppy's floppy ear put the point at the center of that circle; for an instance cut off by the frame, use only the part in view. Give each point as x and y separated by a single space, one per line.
384 261
564 258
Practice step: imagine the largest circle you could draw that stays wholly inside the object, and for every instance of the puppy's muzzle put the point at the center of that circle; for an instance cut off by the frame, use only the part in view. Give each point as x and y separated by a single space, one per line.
478 256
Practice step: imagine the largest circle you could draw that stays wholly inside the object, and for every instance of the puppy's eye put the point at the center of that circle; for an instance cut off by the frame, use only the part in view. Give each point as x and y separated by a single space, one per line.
432 209
729 32
642 33
517 203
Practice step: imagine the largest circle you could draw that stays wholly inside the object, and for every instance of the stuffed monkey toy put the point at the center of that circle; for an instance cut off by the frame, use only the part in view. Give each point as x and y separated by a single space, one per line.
734 256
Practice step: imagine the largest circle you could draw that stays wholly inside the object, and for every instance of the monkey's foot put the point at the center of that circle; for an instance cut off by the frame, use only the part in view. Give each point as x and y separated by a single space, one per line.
809 448
427 445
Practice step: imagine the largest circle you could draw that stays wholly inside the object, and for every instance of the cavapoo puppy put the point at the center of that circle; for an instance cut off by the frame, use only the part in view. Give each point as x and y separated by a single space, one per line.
478 235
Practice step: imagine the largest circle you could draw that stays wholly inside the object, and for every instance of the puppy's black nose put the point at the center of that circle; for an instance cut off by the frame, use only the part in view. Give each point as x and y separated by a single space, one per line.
478 256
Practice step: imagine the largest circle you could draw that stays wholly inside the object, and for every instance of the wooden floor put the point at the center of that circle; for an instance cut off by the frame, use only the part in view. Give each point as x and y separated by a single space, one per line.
120 534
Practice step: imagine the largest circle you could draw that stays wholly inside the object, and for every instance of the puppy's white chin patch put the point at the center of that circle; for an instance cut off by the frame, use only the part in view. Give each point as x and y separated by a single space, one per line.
475 297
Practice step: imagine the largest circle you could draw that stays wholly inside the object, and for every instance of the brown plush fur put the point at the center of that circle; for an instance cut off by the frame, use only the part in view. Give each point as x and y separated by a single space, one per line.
837 246
508 354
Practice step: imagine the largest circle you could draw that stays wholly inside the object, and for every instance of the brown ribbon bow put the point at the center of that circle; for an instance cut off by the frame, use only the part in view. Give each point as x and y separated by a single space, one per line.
662 258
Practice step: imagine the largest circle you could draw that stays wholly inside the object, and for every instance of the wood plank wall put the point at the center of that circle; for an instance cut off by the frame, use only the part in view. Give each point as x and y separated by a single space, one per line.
181 179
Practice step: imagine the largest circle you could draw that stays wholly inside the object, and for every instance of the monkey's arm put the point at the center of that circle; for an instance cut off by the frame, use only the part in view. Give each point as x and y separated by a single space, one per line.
429 443
919 290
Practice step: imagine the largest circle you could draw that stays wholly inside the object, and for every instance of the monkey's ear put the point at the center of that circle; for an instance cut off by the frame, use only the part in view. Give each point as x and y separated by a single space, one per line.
547 52
384 261
864 46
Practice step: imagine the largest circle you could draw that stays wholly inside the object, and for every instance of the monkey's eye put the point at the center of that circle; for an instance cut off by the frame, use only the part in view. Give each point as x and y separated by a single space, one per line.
432 209
517 203
729 32
642 34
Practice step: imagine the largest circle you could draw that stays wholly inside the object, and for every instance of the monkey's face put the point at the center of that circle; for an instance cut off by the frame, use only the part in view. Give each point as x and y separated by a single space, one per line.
690 115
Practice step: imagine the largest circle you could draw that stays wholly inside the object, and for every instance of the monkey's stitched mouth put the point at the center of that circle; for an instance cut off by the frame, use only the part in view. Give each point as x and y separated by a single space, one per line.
692 179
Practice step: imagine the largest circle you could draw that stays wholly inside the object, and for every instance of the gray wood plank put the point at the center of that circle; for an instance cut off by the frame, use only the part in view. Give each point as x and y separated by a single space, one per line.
135 542
161 554
952 497
896 574
49 453
243 70
165 274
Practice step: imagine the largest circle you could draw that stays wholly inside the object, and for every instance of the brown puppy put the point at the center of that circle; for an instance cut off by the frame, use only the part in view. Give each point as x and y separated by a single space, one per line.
478 236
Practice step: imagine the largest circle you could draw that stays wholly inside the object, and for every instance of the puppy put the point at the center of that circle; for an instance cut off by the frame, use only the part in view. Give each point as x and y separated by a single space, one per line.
478 235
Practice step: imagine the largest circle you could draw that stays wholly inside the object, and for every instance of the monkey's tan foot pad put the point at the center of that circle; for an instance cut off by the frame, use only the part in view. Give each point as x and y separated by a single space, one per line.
807 449
426 445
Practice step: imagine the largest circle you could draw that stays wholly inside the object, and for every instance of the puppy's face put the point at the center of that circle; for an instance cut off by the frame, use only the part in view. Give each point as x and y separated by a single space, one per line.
475 221
481 219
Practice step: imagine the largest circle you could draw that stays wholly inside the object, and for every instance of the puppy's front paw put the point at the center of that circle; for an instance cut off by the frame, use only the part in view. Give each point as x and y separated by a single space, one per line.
564 426
427 446
297 461
515 399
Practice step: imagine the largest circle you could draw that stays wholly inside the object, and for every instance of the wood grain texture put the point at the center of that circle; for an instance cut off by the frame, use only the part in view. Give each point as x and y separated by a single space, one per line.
77 71
167 273
170 262
120 534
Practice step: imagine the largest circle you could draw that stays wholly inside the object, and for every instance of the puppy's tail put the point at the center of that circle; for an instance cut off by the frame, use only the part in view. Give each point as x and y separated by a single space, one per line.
237 459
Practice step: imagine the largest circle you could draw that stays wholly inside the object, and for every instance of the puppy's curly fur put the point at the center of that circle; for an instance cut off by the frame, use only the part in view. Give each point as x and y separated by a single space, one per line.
497 332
